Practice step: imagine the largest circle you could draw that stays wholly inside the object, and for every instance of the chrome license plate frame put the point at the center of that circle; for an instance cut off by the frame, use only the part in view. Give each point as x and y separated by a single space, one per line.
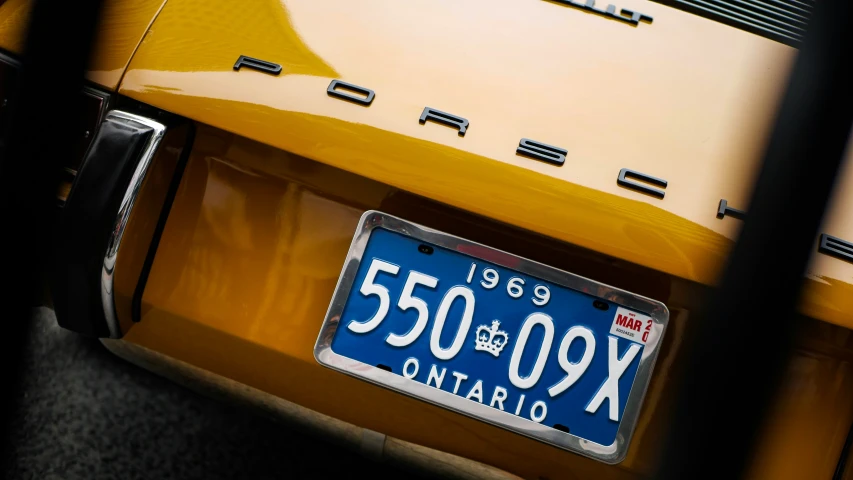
610 454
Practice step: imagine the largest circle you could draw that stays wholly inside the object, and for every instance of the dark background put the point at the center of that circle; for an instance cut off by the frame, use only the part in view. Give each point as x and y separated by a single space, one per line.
87 414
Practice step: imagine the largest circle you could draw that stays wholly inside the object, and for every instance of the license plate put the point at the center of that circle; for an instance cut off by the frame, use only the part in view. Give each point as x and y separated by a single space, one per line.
512 342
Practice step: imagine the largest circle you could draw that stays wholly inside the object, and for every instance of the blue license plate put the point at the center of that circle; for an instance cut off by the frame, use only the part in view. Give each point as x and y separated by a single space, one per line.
515 343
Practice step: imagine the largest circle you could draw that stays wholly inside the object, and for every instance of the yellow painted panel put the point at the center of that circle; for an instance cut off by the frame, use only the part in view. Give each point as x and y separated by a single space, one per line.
685 98
123 25
14 15
252 252
247 264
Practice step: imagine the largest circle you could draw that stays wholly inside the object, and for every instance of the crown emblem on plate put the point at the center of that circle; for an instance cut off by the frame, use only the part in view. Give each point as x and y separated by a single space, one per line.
491 340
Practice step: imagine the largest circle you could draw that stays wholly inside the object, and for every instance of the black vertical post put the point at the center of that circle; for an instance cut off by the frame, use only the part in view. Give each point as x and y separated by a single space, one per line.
739 344
39 138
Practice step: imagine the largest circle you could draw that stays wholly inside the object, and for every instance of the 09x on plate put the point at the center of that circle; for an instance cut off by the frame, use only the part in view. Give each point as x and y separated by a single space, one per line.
515 343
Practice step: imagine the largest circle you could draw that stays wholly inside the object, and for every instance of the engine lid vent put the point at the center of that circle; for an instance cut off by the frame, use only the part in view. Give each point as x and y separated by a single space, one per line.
782 20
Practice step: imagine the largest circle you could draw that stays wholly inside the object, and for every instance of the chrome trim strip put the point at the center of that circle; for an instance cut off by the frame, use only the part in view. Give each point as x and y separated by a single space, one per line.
9 60
127 202
610 454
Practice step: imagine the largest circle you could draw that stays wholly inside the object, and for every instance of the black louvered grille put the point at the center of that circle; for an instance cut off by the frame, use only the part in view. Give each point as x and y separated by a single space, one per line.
781 20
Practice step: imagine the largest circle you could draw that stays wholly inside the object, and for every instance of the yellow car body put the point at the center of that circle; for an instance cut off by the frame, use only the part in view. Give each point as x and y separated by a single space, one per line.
280 173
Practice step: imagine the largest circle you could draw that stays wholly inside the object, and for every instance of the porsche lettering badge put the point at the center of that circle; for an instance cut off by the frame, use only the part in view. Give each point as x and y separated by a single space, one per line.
626 178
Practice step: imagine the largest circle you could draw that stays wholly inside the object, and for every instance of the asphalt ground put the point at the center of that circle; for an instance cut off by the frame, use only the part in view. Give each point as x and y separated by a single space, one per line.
87 414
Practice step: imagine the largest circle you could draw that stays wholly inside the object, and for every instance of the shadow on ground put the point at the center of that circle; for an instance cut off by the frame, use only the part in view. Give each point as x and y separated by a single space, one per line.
86 414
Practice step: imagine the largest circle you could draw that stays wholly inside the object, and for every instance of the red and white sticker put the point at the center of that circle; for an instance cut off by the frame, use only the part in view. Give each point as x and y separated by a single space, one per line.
631 325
